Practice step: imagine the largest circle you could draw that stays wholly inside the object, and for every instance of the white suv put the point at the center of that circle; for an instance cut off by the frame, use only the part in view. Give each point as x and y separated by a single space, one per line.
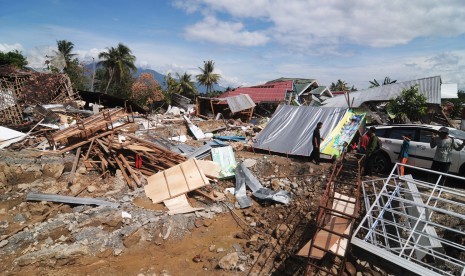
420 152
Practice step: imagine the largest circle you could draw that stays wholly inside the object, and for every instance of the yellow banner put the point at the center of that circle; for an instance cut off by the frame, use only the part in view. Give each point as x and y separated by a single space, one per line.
338 139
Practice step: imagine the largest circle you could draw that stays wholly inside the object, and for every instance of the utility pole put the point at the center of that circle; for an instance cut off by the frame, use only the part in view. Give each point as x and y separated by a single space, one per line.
93 75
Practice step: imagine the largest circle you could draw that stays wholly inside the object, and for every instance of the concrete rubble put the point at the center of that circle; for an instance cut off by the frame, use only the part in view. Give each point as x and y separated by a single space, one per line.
111 155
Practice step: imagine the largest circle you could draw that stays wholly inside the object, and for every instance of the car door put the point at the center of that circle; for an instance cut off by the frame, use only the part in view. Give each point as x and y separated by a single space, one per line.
394 143
424 153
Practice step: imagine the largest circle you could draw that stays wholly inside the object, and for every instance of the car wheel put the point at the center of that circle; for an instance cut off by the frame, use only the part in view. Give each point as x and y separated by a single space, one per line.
381 163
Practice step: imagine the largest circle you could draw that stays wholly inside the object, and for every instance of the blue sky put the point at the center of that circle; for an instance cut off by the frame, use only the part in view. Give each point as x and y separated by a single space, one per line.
253 41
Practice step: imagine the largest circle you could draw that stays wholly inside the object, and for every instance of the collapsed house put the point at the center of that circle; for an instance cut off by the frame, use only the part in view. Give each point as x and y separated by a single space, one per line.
373 100
20 89
295 91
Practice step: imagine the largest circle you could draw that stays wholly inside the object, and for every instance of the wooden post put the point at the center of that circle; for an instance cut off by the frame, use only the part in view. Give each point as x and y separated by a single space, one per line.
73 170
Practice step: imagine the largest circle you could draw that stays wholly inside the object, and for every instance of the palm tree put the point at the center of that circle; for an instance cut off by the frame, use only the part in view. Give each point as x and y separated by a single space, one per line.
340 85
117 62
374 83
65 48
208 78
185 86
387 80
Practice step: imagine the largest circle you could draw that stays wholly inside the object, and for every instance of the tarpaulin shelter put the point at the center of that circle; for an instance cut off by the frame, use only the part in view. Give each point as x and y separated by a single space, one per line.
291 128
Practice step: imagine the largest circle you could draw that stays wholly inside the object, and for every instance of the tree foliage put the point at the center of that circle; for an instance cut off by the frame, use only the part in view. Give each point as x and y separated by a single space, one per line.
14 58
118 64
341 85
170 84
409 103
185 86
74 69
146 90
387 80
207 78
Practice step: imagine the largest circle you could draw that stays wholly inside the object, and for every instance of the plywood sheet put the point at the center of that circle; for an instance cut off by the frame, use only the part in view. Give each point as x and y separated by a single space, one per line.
327 240
342 205
210 168
179 205
175 181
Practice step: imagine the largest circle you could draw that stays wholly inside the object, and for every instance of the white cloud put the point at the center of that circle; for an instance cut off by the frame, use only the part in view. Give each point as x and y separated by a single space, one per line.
324 23
10 47
221 32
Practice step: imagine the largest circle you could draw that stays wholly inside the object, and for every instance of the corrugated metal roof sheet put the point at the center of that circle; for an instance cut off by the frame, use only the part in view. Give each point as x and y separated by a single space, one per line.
240 102
430 87
270 92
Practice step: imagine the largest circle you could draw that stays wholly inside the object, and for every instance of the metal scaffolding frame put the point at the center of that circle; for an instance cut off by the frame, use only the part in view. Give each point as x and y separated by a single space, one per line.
413 223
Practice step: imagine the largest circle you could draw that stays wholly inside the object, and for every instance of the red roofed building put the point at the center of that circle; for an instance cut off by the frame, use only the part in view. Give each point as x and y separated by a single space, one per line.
275 92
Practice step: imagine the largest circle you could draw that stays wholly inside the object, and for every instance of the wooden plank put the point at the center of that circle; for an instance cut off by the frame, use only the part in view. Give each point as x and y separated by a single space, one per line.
139 148
193 175
133 174
179 205
157 188
209 168
75 163
327 240
342 205
90 148
176 181
123 171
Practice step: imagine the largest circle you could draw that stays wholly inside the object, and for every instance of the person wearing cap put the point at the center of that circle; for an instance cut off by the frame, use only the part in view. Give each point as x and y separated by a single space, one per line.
370 154
444 145
403 154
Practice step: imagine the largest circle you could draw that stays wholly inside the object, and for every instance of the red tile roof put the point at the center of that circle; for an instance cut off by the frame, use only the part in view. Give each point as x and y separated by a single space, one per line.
270 92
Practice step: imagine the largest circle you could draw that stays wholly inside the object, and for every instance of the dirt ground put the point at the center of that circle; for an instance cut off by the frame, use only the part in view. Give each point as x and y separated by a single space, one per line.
196 249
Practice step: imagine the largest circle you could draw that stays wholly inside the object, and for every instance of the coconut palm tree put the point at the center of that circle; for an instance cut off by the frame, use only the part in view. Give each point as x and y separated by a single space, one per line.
340 85
387 80
207 78
117 62
66 48
185 85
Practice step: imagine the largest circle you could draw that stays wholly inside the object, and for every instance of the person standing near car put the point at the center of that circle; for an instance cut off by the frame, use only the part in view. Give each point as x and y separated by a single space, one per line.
403 154
444 145
370 154
316 142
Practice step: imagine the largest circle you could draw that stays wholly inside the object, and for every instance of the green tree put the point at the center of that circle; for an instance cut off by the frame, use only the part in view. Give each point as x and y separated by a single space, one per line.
118 64
73 68
14 58
170 84
186 86
340 85
65 48
387 80
207 78
409 103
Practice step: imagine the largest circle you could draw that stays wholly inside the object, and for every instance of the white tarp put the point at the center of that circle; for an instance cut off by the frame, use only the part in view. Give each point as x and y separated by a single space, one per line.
9 136
291 128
